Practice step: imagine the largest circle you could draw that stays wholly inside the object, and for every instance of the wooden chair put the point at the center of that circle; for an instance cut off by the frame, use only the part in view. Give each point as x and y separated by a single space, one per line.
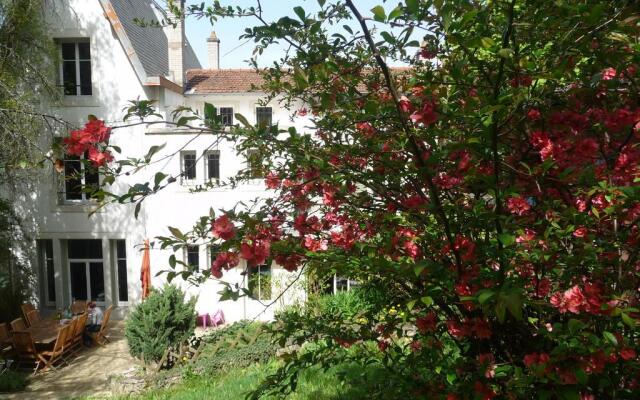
68 343
78 332
5 340
33 317
25 350
79 306
50 357
100 337
26 308
18 325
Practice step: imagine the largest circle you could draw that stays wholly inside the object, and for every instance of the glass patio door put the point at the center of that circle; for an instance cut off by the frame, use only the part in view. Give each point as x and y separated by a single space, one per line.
86 270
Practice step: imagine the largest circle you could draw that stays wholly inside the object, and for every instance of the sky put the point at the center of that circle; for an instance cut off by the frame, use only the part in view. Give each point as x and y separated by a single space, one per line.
233 51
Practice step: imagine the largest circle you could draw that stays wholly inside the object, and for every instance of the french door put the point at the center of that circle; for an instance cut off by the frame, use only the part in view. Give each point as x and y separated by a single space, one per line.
87 280
86 270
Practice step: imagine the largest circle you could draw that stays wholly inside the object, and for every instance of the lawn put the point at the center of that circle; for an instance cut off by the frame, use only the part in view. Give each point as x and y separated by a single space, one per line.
313 384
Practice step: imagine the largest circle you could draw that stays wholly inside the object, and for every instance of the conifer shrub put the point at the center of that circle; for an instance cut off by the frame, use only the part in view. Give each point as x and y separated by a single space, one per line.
166 318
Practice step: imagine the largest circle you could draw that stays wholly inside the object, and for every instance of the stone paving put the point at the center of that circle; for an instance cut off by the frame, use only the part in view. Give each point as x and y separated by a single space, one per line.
86 375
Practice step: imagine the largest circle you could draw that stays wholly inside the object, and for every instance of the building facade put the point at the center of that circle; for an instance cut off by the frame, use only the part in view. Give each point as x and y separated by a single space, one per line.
106 60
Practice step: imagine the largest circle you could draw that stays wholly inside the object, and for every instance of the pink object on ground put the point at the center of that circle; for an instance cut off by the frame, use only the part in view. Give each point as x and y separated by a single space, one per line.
203 320
217 318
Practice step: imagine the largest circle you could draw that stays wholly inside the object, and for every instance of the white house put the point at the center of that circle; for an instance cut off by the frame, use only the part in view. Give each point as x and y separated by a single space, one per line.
106 60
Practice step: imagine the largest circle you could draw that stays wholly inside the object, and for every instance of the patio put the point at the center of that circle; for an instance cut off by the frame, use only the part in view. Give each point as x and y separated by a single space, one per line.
89 374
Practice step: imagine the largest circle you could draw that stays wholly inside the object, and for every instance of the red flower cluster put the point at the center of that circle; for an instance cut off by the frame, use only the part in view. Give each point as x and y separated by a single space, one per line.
223 228
255 251
226 260
576 300
95 134
427 115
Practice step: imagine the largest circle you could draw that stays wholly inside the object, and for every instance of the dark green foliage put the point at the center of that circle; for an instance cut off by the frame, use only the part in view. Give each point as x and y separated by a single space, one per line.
237 346
348 304
12 381
15 275
164 319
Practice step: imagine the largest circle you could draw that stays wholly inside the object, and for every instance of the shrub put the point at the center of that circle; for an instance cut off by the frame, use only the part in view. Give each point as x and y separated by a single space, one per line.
164 319
236 346
347 305
12 381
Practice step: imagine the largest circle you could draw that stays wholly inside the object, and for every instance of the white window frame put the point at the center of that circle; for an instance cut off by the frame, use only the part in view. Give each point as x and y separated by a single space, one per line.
256 114
186 255
83 175
206 166
183 179
77 62
232 115
259 283
114 248
334 286
248 165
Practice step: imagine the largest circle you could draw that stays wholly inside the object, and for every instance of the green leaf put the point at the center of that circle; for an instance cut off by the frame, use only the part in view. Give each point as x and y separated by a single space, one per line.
387 37
210 112
410 304
487 42
575 325
501 311
505 53
610 338
242 120
507 239
413 5
378 13
395 13
628 320
427 300
159 177
485 295
300 13
177 233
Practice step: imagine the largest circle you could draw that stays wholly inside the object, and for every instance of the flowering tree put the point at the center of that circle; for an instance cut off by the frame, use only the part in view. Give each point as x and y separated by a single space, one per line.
491 189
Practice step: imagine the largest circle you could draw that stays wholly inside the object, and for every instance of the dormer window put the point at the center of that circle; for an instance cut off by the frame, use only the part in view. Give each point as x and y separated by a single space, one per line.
75 68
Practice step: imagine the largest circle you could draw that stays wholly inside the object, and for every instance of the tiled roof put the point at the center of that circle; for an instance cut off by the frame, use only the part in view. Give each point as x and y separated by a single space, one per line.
206 81
203 81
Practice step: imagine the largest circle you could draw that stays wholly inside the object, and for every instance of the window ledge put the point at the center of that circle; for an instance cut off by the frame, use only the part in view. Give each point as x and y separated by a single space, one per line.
84 207
80 101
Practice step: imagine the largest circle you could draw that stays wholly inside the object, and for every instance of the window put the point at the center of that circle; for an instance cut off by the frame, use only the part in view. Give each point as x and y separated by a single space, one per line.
260 282
75 70
226 116
263 116
193 256
336 283
188 166
212 161
48 270
121 263
255 165
86 269
80 179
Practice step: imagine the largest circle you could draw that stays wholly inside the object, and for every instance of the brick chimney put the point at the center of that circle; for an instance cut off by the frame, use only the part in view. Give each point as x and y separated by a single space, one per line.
213 51
176 41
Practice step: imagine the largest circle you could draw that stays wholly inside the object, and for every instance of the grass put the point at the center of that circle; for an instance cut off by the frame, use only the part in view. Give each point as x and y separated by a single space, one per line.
313 384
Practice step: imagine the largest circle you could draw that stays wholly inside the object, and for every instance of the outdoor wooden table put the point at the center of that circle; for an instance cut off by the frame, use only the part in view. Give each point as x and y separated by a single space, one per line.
46 331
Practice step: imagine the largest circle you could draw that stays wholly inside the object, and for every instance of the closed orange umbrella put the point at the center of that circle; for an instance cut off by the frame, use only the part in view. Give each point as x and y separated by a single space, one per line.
145 271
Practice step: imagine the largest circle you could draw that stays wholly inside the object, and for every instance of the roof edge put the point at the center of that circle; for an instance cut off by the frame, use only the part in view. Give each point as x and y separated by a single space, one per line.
163 82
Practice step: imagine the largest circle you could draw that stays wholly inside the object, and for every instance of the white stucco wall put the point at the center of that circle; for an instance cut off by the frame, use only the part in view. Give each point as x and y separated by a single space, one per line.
114 83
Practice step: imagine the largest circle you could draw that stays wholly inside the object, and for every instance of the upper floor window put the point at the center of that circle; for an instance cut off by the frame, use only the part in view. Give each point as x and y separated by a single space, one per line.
212 161
192 258
255 164
80 179
75 69
226 116
260 282
264 116
188 166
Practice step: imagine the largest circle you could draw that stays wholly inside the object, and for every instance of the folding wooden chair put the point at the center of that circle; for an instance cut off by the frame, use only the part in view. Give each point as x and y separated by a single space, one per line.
79 306
5 340
78 332
26 351
18 325
100 337
33 317
26 307
68 343
50 357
